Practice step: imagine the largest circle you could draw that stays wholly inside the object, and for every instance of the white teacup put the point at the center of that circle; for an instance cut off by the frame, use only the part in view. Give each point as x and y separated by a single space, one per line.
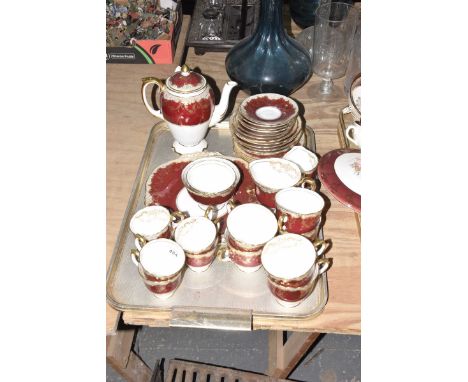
353 133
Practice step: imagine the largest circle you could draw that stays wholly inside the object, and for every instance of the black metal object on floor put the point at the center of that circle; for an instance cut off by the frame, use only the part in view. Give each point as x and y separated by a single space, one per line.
184 371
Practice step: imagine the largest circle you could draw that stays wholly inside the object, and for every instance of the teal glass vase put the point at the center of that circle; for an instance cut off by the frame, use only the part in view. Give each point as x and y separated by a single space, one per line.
269 61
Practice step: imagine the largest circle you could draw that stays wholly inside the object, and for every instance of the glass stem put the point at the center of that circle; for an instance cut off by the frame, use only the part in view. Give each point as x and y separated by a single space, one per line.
326 86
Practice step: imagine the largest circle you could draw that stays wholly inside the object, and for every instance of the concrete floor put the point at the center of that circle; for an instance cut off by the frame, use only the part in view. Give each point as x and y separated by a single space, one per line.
334 358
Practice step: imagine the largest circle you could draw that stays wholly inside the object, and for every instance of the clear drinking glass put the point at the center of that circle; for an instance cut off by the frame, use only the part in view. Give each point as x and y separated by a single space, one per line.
212 20
335 24
354 66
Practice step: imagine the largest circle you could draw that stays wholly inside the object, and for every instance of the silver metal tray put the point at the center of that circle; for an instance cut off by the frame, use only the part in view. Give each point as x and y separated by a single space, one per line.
221 297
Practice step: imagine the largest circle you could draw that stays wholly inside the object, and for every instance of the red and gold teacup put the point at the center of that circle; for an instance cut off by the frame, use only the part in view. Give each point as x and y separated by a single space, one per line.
249 227
211 181
293 267
198 237
153 222
271 175
299 210
160 263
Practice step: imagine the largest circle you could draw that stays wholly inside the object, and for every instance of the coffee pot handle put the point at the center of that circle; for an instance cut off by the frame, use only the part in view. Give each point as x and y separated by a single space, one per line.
149 81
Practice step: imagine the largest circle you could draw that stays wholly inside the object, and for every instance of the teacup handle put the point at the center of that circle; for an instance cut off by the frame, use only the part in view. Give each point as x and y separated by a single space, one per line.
140 242
135 253
216 221
320 246
177 216
281 220
347 131
148 81
208 210
222 253
309 182
230 205
324 265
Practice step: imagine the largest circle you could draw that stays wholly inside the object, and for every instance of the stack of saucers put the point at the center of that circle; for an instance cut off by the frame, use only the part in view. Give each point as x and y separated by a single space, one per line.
265 125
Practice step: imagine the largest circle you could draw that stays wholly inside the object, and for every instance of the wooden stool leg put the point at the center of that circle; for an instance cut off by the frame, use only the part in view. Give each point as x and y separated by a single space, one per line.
123 359
283 358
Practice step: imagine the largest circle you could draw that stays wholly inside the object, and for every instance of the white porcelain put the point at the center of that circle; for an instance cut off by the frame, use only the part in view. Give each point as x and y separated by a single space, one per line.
198 238
305 159
252 224
191 111
150 222
356 98
353 133
161 257
348 169
211 180
185 203
248 269
289 256
274 174
299 200
160 263
195 234
211 175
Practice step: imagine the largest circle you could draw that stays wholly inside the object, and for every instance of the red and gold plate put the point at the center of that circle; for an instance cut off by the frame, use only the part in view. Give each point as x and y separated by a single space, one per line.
339 172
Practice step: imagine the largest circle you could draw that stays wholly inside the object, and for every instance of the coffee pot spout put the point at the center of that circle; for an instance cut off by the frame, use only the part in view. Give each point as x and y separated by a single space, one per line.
222 106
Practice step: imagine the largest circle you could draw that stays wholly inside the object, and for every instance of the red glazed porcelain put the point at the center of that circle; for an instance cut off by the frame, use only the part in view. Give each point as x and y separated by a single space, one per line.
305 159
186 103
292 265
153 222
249 227
198 237
165 187
299 210
271 108
271 175
160 263
340 173
211 180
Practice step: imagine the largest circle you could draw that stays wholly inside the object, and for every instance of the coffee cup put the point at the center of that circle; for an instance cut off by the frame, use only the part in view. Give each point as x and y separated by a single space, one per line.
249 227
160 263
198 237
293 266
353 133
299 210
272 175
153 222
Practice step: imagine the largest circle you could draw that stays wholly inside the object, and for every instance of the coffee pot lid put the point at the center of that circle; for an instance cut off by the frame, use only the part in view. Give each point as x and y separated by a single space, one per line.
186 81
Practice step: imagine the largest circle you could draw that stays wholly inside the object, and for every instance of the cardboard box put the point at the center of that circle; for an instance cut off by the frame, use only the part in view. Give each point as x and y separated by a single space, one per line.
149 51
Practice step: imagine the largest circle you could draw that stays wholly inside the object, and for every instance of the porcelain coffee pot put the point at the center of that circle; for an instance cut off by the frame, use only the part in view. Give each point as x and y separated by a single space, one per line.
186 103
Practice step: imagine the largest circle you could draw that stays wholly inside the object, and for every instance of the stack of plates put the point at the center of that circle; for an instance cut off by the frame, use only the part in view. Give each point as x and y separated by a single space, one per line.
266 125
